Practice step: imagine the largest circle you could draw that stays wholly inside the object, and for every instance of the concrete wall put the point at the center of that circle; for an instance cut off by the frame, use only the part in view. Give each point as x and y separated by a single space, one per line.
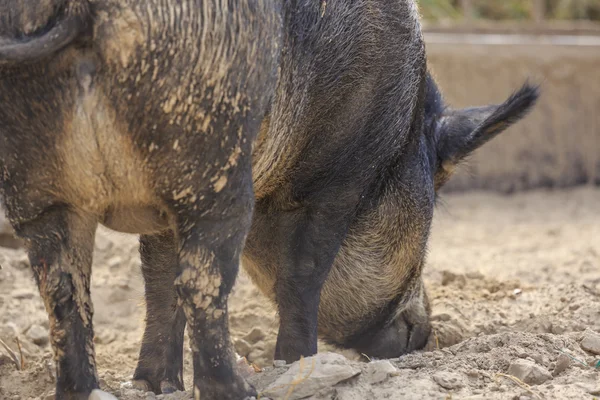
558 144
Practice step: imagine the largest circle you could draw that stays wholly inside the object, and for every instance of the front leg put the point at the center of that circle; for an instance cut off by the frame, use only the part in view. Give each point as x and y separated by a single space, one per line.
309 240
60 244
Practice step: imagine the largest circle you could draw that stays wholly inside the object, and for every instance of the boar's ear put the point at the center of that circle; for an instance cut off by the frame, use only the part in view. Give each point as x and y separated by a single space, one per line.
460 132
70 21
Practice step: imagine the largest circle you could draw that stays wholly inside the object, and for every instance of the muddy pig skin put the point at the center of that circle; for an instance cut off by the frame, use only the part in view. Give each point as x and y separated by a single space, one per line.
346 167
139 115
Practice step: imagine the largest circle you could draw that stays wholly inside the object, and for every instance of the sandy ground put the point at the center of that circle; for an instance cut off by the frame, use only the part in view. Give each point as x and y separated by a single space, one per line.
513 280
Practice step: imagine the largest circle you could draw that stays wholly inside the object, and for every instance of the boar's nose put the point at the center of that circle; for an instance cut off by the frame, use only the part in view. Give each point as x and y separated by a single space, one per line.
396 339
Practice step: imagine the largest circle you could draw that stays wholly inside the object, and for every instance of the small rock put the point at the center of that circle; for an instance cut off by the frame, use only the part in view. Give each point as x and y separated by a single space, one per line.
591 389
529 372
114 262
7 234
317 373
591 342
379 371
448 380
21 262
562 363
254 336
98 394
9 331
441 317
22 294
103 243
242 347
279 363
244 368
474 275
105 336
255 355
450 277
38 335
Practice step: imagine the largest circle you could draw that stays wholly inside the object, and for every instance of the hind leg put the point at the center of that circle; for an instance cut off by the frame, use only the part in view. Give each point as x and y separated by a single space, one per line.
160 366
60 244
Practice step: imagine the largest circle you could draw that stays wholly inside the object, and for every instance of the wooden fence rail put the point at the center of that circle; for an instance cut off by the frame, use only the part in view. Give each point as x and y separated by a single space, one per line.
538 13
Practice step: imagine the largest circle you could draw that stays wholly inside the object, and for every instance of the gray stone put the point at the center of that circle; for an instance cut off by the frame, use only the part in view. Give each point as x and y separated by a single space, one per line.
22 294
98 394
529 372
115 262
448 380
279 363
378 371
254 336
38 335
313 374
7 234
242 347
562 363
591 342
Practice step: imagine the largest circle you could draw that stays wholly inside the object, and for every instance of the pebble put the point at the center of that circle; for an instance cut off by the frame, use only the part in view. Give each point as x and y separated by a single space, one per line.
242 347
22 262
22 294
450 277
379 371
98 394
38 335
7 237
448 380
8 331
320 372
279 363
441 317
105 336
562 363
254 336
244 368
114 262
529 372
591 342
103 243
474 275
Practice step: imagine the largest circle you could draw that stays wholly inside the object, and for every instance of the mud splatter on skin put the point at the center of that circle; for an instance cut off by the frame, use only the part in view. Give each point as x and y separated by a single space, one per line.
61 261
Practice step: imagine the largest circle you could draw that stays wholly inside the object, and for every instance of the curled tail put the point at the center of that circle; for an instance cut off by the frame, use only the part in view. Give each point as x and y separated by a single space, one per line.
70 21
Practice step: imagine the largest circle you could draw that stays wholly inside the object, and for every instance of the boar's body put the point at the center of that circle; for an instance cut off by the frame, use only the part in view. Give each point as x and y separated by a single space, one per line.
139 115
355 144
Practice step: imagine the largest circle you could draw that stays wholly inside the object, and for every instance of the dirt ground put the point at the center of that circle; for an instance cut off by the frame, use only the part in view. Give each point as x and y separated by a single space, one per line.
513 280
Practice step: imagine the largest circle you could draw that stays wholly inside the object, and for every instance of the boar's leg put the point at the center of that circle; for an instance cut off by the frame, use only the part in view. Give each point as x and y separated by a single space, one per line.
60 252
210 245
311 239
160 366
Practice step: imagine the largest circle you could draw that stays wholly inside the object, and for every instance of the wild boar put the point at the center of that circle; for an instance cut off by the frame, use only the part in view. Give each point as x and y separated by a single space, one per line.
139 115
346 168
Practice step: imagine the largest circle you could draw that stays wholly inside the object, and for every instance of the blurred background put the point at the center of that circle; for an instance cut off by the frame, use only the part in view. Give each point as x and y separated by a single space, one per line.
482 50
527 10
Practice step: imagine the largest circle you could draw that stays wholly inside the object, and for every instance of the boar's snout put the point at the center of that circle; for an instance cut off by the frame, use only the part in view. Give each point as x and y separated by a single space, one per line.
408 330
